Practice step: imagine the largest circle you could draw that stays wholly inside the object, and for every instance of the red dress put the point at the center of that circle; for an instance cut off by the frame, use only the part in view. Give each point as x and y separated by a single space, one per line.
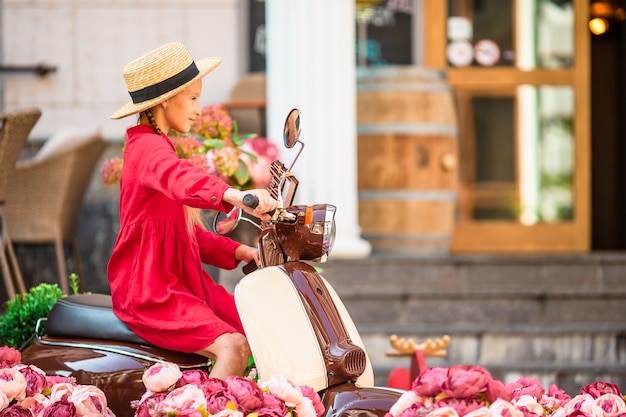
158 286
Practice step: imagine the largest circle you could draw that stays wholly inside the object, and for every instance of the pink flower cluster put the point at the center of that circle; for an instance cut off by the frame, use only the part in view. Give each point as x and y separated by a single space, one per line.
26 391
471 391
214 146
192 393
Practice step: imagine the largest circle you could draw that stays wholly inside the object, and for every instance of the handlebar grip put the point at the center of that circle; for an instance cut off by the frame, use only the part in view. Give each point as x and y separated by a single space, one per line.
249 267
250 200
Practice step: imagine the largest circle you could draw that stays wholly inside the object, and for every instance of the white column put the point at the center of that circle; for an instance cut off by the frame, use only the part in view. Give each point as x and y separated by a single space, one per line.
311 66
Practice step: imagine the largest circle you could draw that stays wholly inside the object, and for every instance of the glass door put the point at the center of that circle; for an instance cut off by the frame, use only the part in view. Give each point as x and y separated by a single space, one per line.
520 73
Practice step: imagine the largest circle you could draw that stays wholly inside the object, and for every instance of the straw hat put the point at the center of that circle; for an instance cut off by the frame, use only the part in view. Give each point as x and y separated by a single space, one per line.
159 75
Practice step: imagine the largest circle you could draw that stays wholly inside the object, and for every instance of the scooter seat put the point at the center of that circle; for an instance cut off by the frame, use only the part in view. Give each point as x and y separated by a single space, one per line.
89 316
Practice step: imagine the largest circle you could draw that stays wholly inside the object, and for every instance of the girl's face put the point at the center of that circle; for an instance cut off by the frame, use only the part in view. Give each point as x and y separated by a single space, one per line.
182 109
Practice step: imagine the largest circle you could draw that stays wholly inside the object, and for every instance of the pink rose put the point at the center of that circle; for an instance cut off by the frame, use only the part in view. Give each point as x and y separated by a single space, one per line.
526 386
217 401
13 384
271 407
161 376
315 399
192 376
9 357
555 398
89 400
186 397
16 411
284 390
35 379
246 393
465 381
189 413
597 389
429 382
60 409
610 404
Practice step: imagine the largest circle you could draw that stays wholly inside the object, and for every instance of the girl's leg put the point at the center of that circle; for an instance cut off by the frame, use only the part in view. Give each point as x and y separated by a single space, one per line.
230 352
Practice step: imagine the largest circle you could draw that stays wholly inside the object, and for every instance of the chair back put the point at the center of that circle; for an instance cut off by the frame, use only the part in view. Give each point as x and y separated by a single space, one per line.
14 131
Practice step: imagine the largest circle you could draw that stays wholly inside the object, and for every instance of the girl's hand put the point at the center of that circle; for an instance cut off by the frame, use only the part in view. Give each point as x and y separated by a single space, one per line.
266 203
247 253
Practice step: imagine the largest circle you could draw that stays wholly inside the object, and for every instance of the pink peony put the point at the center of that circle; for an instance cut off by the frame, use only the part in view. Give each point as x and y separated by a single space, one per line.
529 403
192 376
52 380
479 412
147 406
245 393
502 408
526 386
611 404
461 405
217 400
308 392
9 357
429 382
161 376
89 400
497 389
405 401
35 378
443 412
111 171
305 408
4 401
61 391
183 398
16 411
284 390
227 412
271 407
60 409
414 410
37 403
582 402
13 384
596 389
465 381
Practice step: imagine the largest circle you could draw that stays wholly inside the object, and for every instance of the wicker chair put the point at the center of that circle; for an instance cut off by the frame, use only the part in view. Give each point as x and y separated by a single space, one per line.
46 193
14 131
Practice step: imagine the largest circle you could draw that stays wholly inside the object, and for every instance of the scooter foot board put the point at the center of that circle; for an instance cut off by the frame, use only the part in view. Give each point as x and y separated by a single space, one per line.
278 329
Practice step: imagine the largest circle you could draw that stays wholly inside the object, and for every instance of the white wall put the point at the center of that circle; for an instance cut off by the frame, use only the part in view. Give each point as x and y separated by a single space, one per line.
90 41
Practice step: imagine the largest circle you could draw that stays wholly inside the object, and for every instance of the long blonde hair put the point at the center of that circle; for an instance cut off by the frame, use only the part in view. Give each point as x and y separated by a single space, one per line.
193 215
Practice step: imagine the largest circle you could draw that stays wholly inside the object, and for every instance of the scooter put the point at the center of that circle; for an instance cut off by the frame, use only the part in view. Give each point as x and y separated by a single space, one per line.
296 324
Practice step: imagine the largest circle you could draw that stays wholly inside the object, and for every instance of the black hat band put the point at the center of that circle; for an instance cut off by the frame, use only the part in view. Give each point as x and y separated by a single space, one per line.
165 86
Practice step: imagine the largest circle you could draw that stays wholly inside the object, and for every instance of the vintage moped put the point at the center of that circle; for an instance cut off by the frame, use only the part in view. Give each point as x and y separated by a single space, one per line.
296 324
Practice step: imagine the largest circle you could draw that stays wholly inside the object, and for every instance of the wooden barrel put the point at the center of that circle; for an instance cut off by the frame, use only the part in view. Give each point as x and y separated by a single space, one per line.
407 159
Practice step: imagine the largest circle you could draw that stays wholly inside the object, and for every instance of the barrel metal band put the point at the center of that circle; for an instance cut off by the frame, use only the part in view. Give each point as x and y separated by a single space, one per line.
408 128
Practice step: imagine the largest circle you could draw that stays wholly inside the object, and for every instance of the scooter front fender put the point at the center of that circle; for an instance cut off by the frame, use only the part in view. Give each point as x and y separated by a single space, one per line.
348 400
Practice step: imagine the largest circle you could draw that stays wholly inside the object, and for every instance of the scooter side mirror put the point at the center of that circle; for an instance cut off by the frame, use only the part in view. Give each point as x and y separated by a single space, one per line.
291 131
225 223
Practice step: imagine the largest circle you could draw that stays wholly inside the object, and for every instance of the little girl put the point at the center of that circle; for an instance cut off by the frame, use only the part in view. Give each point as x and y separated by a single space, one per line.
158 286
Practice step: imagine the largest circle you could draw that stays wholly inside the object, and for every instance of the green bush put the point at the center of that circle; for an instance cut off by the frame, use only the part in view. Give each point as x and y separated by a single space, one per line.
17 325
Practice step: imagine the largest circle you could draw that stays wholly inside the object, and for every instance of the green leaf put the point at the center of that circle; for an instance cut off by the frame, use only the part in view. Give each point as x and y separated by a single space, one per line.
251 156
242 175
213 144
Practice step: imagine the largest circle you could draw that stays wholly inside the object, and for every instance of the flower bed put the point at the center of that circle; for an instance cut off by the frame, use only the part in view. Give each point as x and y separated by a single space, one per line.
471 391
26 391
